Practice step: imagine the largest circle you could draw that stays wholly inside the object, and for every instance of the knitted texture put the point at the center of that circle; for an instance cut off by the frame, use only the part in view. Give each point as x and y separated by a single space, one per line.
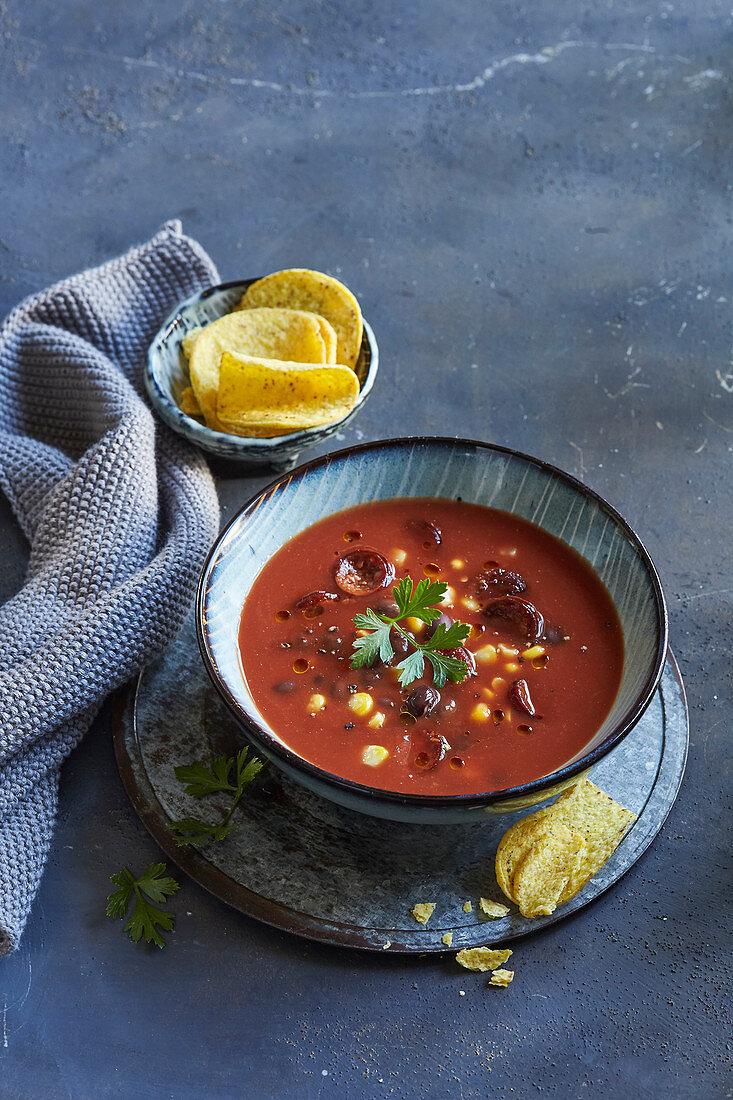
119 513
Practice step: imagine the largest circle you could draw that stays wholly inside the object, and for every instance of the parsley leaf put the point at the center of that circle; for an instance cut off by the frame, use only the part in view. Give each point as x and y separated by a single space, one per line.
370 646
201 781
146 918
412 602
411 668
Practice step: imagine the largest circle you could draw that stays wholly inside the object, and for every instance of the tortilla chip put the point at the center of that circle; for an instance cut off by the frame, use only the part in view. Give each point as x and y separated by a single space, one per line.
289 335
299 288
514 846
190 339
482 958
447 939
492 909
502 978
585 811
601 822
266 397
467 907
330 340
188 403
544 873
423 911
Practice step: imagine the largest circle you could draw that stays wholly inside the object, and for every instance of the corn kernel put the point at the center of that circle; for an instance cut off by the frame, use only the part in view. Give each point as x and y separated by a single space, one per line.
486 655
361 702
399 557
507 650
510 553
316 702
449 597
374 755
377 720
470 604
480 712
497 683
533 652
512 667
415 625
458 563
488 693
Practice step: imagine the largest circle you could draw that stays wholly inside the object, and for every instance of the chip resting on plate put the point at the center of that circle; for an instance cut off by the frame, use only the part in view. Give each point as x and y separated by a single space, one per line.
423 911
299 288
290 335
493 909
266 397
546 858
545 871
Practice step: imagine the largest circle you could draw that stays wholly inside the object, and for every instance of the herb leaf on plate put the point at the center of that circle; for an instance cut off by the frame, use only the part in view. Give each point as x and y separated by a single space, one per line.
202 780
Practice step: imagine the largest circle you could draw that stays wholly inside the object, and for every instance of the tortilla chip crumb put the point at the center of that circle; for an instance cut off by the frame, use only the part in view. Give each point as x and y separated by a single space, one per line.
423 911
467 907
387 944
492 909
448 939
482 958
501 977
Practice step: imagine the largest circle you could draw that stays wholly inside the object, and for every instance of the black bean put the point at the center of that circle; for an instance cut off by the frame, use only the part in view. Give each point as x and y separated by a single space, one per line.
421 701
442 620
284 687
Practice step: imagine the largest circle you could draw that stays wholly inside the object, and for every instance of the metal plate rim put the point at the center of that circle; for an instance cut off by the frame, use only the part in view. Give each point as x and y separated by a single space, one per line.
277 915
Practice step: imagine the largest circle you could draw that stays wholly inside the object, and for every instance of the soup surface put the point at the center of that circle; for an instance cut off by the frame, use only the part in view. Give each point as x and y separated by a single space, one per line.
544 653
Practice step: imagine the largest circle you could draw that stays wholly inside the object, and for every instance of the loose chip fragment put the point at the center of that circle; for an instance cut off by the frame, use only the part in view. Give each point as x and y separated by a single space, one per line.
423 911
482 958
467 907
448 939
547 857
501 977
312 291
267 397
492 909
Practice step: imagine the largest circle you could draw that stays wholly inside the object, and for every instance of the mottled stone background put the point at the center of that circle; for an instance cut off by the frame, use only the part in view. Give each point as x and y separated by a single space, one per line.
533 203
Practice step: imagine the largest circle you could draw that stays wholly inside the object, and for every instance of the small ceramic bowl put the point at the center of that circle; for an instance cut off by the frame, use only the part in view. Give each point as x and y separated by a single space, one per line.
474 472
166 377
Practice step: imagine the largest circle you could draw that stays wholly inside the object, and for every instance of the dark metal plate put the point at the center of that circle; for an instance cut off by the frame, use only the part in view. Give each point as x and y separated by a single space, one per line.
302 864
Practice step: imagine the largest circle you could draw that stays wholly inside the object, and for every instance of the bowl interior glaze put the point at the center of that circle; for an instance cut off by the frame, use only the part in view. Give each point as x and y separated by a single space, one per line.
474 472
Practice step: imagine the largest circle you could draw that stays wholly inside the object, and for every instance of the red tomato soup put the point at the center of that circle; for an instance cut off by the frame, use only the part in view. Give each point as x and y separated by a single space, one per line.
544 653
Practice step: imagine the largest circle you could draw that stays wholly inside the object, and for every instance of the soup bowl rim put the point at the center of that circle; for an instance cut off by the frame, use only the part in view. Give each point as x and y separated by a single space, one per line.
529 791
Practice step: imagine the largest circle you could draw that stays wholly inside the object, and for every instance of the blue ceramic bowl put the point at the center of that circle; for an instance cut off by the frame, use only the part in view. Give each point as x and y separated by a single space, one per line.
166 377
475 472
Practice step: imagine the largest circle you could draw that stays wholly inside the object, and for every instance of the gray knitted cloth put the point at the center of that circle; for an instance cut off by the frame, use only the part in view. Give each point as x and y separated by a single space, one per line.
119 513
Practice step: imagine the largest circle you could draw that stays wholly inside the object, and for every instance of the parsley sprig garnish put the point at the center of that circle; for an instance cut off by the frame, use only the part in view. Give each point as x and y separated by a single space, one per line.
147 918
202 780
414 603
